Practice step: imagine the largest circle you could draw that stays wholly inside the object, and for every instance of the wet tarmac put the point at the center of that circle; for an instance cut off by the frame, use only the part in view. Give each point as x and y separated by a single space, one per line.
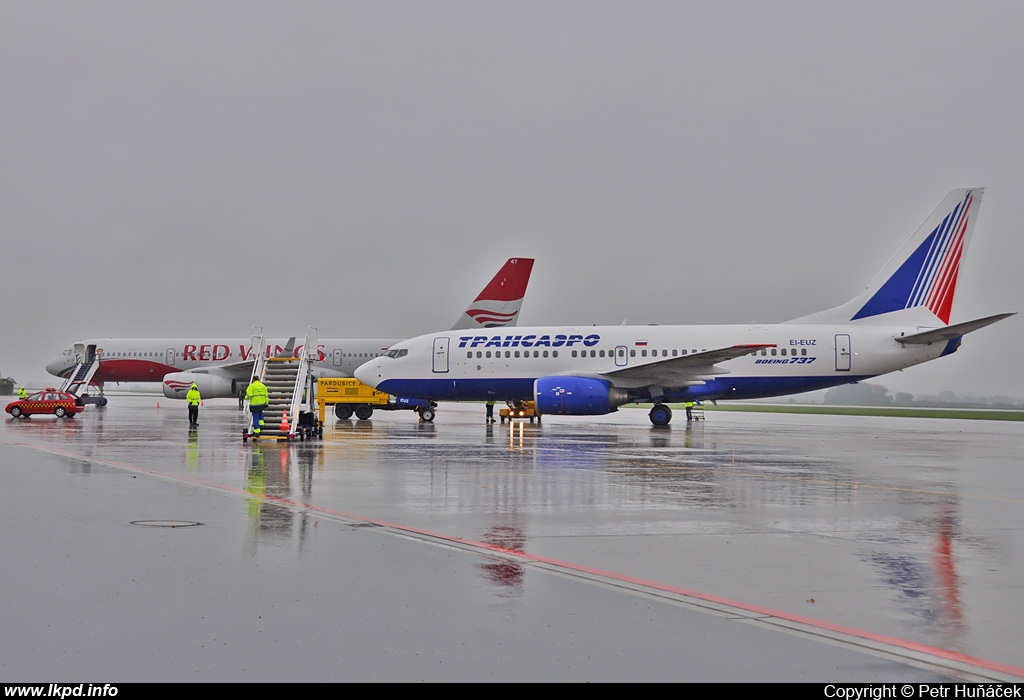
751 547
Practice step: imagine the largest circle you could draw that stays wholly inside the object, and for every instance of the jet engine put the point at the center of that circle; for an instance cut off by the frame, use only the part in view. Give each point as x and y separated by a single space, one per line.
211 386
576 396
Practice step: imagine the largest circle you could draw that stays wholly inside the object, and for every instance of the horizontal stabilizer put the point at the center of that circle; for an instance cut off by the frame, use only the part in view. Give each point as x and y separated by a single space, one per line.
951 332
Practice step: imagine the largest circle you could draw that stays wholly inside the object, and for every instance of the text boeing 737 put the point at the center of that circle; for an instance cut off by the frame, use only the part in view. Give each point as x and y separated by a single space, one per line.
222 367
900 320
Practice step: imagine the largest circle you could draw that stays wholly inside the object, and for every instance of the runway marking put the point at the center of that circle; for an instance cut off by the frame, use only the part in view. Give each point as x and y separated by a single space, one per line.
561 566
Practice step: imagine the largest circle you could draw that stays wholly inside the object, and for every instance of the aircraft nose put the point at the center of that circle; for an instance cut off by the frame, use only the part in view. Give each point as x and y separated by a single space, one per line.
56 366
368 373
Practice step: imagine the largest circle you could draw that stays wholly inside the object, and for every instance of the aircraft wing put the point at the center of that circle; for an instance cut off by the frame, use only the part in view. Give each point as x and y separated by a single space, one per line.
950 332
680 371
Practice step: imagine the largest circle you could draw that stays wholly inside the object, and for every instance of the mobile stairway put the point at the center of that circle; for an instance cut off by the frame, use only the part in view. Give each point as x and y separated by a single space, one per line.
77 381
289 383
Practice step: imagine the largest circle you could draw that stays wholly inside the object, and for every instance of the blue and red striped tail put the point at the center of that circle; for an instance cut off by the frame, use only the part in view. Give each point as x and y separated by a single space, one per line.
928 276
919 282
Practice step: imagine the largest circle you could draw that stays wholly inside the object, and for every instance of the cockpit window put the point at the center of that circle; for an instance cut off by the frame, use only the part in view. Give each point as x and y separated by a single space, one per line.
397 353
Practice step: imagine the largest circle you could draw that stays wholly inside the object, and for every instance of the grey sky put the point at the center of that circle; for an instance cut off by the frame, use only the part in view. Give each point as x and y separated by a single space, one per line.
191 168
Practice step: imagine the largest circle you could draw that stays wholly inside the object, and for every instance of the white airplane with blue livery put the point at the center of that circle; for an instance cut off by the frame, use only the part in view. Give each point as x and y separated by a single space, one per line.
900 320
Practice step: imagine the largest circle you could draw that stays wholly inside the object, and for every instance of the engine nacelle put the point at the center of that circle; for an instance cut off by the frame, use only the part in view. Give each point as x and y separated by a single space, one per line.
576 396
211 386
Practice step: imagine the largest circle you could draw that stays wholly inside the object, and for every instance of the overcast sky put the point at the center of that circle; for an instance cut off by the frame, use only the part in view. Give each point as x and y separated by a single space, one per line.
192 168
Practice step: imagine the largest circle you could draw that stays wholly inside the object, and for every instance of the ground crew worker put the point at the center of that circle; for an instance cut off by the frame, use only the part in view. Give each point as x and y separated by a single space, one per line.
22 393
490 411
258 398
194 400
689 408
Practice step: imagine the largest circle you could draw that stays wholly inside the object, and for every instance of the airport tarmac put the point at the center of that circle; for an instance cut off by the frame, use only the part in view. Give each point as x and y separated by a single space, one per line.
750 547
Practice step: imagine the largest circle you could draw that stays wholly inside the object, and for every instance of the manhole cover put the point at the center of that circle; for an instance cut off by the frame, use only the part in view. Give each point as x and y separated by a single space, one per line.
166 523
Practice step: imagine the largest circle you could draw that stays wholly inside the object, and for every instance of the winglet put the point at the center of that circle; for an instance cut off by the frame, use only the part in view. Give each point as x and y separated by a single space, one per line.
499 302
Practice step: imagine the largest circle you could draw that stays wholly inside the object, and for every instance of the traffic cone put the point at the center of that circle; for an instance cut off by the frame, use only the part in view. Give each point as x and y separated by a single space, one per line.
285 426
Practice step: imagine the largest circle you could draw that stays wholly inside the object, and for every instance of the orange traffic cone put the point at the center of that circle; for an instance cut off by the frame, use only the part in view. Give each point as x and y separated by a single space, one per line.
285 426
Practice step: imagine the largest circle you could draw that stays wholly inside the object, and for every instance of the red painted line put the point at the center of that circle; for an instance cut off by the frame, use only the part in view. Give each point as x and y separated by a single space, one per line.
570 566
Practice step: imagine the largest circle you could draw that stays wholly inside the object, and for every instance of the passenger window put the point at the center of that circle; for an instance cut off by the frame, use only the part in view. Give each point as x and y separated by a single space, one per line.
803 351
632 353
601 353
574 353
774 352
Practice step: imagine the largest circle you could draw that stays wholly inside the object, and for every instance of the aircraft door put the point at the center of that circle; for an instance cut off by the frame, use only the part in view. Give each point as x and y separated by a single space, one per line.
337 357
169 357
621 356
843 355
441 354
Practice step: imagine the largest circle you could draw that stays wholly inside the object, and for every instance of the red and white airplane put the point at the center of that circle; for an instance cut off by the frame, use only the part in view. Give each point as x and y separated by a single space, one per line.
221 367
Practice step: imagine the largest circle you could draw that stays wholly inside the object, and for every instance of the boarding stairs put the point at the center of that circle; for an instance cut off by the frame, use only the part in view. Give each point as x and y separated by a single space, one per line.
77 382
289 386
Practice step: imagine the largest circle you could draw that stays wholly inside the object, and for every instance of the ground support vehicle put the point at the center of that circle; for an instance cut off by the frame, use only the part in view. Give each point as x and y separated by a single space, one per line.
521 410
350 396
49 401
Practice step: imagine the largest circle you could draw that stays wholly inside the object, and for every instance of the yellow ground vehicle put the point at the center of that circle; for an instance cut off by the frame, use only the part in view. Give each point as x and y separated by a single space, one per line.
522 409
350 396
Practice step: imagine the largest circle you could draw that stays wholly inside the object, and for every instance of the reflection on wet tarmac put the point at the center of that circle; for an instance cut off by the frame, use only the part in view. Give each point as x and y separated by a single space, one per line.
883 528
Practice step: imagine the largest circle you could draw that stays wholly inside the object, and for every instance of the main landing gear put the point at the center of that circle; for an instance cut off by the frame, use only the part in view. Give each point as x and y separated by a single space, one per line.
660 414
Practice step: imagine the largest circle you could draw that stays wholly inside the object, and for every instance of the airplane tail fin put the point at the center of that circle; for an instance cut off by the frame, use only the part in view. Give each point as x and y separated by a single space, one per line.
499 303
919 282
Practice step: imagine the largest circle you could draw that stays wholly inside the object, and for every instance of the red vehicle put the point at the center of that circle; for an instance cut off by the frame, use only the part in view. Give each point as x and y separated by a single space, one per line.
50 401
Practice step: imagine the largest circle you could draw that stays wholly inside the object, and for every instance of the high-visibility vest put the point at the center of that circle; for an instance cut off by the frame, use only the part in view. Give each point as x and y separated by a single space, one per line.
257 394
193 396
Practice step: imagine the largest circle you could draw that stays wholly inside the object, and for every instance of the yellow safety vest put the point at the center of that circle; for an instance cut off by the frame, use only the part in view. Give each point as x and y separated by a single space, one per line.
257 394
